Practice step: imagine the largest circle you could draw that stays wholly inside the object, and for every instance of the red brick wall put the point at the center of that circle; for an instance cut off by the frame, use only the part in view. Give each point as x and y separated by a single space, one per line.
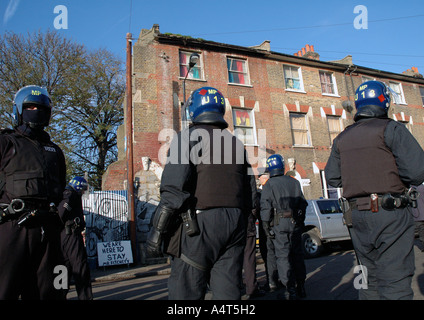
160 94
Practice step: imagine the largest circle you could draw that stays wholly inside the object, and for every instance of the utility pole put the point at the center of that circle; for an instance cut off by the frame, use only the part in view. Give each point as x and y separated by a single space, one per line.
129 151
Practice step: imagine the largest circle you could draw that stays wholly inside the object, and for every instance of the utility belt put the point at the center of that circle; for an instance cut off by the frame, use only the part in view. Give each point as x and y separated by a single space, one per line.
375 201
73 226
282 215
386 201
26 215
286 214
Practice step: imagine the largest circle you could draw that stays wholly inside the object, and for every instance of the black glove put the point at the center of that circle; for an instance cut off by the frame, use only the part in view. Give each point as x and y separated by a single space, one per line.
71 196
154 244
268 230
71 200
160 225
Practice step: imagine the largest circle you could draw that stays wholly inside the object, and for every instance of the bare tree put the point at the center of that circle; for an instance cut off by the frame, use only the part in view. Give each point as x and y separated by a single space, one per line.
87 91
94 112
46 59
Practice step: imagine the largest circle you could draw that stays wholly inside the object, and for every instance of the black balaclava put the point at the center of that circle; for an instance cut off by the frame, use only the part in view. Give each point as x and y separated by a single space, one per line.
36 119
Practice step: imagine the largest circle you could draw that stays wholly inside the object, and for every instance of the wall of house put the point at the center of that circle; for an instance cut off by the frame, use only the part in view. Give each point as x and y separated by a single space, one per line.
158 95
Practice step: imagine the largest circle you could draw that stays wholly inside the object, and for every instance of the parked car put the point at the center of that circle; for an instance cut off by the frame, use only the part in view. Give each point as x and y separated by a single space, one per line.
323 223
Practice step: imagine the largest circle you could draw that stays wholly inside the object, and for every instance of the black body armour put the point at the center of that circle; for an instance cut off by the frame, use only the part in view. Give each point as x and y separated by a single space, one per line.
33 173
220 171
367 164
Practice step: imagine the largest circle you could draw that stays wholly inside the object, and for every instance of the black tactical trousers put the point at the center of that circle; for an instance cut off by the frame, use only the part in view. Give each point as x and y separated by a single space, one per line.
75 257
384 241
28 257
287 247
213 257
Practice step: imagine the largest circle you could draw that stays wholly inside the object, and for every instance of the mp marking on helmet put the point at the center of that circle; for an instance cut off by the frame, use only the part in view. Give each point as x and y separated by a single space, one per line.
363 87
35 92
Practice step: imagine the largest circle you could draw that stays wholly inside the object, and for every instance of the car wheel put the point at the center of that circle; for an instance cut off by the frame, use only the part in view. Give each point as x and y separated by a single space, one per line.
311 244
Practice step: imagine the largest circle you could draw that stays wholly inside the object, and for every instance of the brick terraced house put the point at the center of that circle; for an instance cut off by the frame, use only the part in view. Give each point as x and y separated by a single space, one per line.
291 104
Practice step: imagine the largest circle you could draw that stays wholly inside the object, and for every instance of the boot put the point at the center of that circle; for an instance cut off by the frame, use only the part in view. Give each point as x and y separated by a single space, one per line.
292 292
300 289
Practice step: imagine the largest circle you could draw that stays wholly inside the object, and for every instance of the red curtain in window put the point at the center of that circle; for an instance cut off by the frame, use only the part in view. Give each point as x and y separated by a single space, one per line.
239 67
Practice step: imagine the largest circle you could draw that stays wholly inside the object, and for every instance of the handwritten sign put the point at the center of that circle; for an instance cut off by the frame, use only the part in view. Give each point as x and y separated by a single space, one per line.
114 252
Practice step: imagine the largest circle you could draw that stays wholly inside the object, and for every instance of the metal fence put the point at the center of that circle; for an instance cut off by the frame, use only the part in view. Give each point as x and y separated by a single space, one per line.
106 218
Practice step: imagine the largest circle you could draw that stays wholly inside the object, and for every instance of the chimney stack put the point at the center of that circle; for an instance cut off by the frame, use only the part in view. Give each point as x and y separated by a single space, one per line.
413 72
307 52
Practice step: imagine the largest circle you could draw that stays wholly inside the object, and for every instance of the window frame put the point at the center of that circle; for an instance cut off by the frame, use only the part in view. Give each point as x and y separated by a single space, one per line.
199 65
339 119
421 89
299 71
307 130
401 94
333 83
245 72
252 126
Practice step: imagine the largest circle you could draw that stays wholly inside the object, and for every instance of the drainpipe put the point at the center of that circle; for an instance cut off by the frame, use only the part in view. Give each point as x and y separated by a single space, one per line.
350 74
347 87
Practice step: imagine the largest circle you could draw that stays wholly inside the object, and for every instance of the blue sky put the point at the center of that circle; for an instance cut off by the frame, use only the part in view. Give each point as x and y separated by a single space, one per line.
393 40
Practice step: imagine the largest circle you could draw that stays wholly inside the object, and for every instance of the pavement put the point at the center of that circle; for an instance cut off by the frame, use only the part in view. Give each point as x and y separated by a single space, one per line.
122 272
329 277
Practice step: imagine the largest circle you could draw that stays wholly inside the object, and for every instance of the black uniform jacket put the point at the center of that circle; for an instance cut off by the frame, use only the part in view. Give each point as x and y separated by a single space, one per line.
32 167
284 194
408 154
207 167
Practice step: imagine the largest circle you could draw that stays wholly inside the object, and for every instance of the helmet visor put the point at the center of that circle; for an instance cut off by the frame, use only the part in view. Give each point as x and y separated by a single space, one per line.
39 100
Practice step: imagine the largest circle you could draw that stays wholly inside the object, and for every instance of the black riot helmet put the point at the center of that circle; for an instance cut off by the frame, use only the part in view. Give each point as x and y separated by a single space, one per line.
34 96
207 105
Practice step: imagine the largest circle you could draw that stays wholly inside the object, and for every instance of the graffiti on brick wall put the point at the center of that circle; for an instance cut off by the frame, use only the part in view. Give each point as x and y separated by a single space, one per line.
106 218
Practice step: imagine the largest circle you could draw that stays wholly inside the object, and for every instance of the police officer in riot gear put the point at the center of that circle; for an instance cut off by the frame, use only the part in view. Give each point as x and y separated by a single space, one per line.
283 214
72 215
32 179
206 194
375 161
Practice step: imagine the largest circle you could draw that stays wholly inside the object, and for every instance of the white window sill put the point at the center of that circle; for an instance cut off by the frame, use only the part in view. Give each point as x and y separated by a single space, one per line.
294 90
331 95
240 84
194 79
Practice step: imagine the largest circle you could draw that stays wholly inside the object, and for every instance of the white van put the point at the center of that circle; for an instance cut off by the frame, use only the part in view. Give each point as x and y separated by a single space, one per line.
323 223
